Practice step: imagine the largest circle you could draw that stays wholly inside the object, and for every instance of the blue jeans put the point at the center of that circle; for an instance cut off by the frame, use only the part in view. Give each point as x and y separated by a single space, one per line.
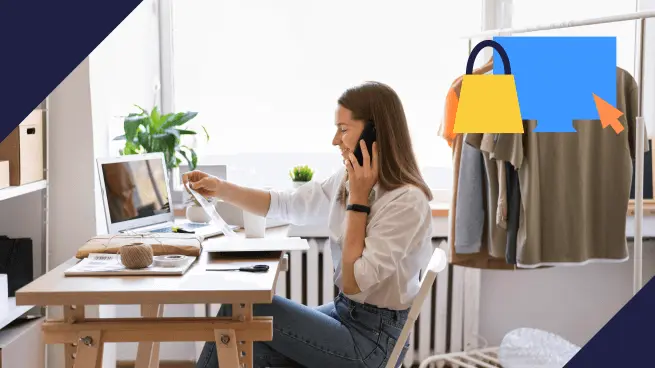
341 334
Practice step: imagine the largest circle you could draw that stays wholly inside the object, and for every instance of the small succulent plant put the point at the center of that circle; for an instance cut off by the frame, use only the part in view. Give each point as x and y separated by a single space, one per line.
302 173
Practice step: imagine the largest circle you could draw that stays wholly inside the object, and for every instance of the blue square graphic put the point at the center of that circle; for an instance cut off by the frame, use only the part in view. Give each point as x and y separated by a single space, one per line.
556 77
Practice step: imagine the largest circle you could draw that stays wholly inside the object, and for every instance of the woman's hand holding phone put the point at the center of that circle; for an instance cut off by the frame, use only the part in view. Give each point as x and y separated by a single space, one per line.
363 177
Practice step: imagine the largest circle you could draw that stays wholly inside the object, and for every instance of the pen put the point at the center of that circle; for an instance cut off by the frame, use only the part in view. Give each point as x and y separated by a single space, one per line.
182 231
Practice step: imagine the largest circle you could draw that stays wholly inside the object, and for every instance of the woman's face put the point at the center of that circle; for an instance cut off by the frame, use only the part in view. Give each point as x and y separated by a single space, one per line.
348 131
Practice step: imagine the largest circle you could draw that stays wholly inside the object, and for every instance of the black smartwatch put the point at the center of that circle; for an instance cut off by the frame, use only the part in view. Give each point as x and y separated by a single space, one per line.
358 208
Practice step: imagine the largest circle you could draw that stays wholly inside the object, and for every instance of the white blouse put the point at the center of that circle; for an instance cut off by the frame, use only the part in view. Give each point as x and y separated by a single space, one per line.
398 236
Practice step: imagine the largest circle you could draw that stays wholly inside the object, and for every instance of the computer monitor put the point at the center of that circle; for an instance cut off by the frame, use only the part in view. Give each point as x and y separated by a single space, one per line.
135 191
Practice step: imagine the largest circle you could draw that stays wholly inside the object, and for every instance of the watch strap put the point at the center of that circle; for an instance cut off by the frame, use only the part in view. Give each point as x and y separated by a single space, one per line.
358 208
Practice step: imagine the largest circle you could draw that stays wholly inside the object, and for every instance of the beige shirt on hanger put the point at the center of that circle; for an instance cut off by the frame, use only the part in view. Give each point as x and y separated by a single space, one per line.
575 187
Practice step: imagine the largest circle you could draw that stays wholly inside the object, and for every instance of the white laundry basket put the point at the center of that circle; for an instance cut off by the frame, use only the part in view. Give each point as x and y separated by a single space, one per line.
534 348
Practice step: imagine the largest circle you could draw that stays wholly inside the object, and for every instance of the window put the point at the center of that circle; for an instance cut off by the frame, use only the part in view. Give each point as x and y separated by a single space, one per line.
264 76
531 12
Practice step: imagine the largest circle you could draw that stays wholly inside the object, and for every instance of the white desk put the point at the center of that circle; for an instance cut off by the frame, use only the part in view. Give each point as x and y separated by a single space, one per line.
84 337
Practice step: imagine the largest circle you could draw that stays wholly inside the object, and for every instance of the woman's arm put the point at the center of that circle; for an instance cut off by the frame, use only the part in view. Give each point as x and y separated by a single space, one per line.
308 204
370 258
362 180
249 199
353 247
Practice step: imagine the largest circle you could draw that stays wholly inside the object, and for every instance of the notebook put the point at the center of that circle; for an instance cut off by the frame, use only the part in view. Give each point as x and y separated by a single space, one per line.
240 245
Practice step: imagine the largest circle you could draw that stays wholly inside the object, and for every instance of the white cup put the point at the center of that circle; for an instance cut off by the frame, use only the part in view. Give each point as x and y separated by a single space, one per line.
254 226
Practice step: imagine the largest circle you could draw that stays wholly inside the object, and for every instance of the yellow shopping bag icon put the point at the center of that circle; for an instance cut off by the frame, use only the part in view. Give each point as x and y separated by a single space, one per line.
488 103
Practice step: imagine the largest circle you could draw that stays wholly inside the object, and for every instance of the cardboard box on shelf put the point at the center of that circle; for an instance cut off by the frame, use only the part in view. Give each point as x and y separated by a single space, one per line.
4 174
23 148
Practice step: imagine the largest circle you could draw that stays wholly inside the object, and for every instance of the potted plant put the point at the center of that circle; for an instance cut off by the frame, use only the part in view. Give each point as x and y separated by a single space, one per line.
152 131
194 211
300 175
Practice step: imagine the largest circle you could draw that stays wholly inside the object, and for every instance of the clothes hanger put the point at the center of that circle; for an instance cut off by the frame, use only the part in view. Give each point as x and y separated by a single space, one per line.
489 65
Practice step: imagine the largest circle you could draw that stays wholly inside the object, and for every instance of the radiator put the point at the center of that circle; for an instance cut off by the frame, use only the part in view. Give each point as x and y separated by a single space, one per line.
449 317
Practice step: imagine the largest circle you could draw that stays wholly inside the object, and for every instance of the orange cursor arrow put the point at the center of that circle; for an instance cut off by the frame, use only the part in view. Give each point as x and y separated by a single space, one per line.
609 115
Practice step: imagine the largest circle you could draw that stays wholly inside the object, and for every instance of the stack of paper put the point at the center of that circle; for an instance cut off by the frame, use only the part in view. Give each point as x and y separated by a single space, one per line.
110 265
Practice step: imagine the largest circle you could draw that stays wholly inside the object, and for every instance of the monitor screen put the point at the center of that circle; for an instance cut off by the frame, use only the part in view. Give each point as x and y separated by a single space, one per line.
135 189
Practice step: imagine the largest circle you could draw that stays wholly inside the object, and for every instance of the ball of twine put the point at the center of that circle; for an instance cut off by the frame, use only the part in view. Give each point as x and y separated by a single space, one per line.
136 255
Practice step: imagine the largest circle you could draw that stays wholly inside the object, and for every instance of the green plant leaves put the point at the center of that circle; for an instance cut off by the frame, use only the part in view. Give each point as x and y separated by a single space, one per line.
130 149
155 117
178 119
183 131
153 132
190 156
301 173
131 126
206 133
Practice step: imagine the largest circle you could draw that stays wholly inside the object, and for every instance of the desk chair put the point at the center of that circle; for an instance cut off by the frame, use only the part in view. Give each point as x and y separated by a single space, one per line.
436 265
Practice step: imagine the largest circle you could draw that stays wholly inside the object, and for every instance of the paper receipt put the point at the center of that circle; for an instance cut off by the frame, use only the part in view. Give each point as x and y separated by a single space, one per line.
210 210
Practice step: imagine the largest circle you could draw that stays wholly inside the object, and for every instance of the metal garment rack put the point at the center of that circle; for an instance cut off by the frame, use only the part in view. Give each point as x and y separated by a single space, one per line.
481 357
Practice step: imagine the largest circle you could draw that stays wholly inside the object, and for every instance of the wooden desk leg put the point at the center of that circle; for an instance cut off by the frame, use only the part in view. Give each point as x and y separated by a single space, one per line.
232 353
226 348
89 351
72 314
147 355
101 350
243 312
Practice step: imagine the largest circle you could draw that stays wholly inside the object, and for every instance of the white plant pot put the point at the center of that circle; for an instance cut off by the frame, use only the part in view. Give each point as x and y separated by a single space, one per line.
298 184
195 213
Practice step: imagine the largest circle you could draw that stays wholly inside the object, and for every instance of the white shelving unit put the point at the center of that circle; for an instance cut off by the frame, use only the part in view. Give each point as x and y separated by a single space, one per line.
23 214
13 312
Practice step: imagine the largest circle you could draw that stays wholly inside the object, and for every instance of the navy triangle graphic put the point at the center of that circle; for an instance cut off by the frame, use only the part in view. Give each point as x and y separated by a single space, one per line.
42 41
627 340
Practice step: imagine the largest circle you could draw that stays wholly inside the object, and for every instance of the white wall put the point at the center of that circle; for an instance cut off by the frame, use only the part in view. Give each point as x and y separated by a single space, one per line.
72 212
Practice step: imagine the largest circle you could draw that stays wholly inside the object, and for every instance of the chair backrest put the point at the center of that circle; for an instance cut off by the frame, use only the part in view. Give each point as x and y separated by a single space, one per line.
437 263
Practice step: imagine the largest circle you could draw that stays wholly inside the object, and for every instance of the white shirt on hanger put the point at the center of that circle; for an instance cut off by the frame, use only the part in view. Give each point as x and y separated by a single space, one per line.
398 240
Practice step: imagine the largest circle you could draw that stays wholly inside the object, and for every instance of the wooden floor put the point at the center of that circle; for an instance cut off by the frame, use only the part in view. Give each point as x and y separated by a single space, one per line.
164 364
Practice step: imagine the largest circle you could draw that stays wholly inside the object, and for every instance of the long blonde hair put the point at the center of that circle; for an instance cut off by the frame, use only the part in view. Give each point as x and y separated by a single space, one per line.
378 102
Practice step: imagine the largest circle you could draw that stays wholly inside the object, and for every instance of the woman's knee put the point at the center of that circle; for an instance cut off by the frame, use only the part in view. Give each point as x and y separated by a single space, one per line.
225 310
208 356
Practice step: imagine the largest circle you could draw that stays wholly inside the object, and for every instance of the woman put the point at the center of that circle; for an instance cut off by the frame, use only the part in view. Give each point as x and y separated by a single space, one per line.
378 247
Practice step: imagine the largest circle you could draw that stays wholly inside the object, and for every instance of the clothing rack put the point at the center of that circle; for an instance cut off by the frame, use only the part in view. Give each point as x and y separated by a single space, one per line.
639 123
639 146
568 24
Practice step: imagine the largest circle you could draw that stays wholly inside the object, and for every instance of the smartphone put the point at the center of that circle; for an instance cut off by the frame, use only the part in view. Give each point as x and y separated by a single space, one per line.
368 135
